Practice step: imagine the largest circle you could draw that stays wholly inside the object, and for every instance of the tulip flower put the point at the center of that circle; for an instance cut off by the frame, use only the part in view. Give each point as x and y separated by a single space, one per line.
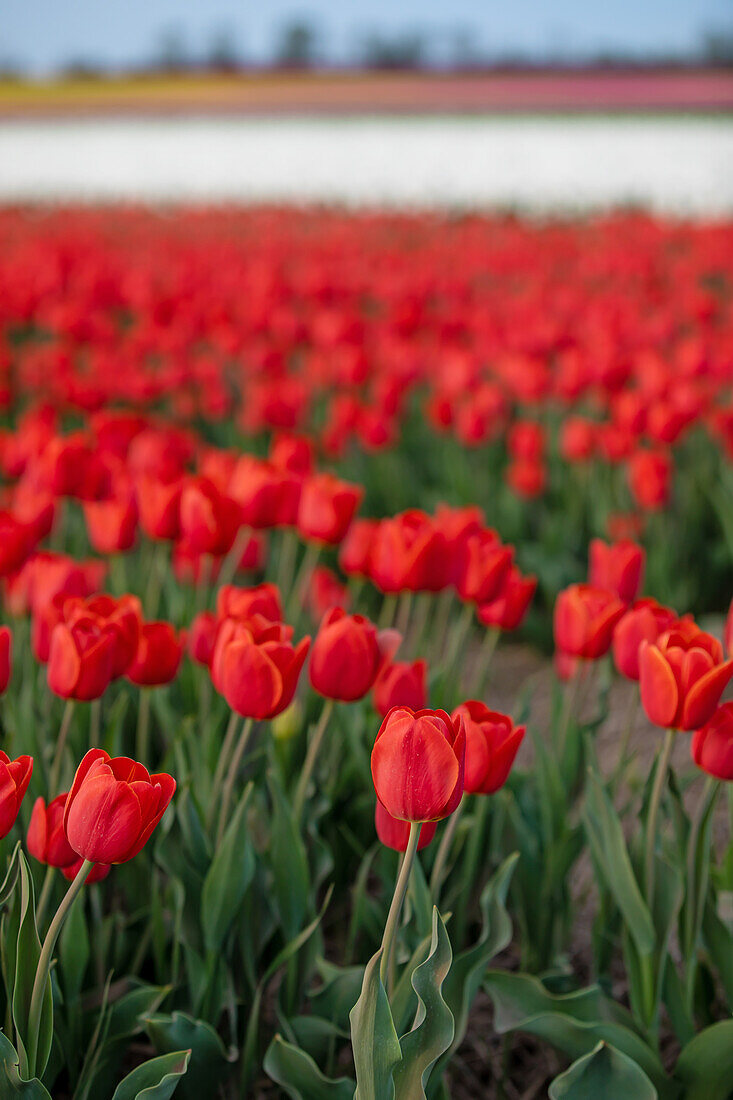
112 521
267 495
481 566
81 658
356 548
492 742
507 610
728 631
46 838
325 591
395 834
650 476
6 657
292 453
243 603
202 638
618 568
682 676
158 502
158 655
584 620
644 621
122 617
410 553
256 667
113 807
327 507
209 520
98 872
712 744
15 775
346 656
418 764
400 683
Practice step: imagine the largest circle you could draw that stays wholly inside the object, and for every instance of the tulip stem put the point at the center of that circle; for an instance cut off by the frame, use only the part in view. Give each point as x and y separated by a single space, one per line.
302 581
572 691
45 894
286 559
44 966
232 777
625 738
390 928
457 638
142 746
58 757
310 759
446 842
231 561
651 821
386 614
403 612
696 890
221 766
479 682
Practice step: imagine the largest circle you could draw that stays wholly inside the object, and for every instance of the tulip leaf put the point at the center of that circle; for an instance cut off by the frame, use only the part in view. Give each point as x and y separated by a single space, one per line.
156 1079
374 1040
11 877
228 877
297 1073
11 1083
28 952
605 1072
337 992
209 1059
289 863
74 952
611 858
434 1027
573 1022
705 1065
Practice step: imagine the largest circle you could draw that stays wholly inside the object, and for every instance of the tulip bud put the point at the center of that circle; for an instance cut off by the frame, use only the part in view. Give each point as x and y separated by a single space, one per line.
492 742
394 833
712 745
682 676
400 683
15 775
46 838
418 763
617 568
584 620
158 655
346 656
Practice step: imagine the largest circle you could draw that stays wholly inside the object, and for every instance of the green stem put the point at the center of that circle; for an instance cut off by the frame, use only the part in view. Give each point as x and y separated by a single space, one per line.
446 842
310 759
439 625
629 725
232 777
286 559
302 581
403 612
231 561
696 891
481 672
45 894
44 965
142 740
221 766
571 698
390 928
58 757
651 821
386 615
422 611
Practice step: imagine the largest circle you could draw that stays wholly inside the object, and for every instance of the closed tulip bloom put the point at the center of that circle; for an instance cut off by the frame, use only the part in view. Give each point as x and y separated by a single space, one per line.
644 621
584 620
122 616
209 520
46 838
256 667
327 507
268 496
418 762
293 453
650 478
577 439
410 553
158 503
112 522
728 631
158 656
507 610
482 564
712 745
492 742
15 775
618 567
401 683
394 833
682 676
113 806
16 542
243 603
97 873
346 656
81 658
202 638
6 657
356 549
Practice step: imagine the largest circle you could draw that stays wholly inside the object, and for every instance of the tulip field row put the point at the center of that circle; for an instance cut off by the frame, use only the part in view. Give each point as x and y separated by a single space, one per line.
276 484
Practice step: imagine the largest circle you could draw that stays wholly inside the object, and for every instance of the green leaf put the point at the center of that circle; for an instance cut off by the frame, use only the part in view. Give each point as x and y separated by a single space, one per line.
289 863
604 1072
705 1066
227 879
373 1038
299 1075
434 1027
156 1079
28 951
209 1060
338 992
11 877
11 1083
74 952
612 858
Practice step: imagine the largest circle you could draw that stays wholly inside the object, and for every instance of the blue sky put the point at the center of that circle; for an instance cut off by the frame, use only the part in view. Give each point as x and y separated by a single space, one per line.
44 34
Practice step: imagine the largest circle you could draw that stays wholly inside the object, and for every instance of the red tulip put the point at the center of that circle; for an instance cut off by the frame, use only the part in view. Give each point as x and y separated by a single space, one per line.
209 520
158 503
728 631
507 610
15 775
256 667
584 620
327 507
418 762
202 638
644 621
682 676
400 683
481 566
577 439
123 617
618 568
81 658
712 745
325 591
113 806
98 872
356 549
346 656
112 522
158 656
650 476
6 657
394 833
293 453
267 495
16 543
526 477
243 603
410 553
492 742
46 838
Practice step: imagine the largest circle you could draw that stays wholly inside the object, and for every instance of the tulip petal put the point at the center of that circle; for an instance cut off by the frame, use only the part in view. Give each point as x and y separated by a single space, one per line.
659 692
704 696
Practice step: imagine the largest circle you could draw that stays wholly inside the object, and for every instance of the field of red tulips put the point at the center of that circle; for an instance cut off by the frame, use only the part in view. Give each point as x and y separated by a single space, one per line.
276 486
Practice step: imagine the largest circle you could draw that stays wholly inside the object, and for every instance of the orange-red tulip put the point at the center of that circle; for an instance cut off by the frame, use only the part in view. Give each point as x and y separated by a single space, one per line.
682 676
492 742
15 775
712 745
584 620
418 763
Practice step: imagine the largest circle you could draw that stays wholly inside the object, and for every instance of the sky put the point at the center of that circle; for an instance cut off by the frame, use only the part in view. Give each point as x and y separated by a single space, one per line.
44 35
